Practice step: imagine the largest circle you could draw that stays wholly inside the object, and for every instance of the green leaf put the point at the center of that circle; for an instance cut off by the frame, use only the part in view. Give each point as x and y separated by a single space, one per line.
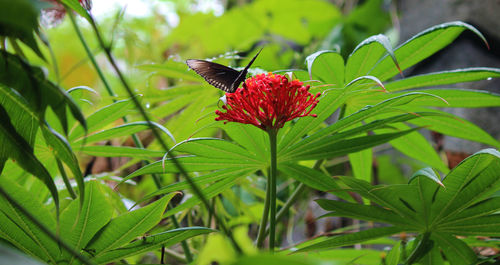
30 82
190 164
415 145
455 250
420 47
122 130
362 164
310 177
201 180
103 117
473 179
250 137
22 152
457 127
363 212
353 238
46 248
119 151
216 148
80 224
394 255
19 20
77 7
326 149
63 151
365 113
366 55
209 192
482 208
128 226
152 242
327 66
444 78
480 226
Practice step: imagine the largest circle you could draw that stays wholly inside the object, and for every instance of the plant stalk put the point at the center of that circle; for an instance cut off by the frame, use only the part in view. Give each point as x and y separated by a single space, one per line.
137 142
272 183
263 231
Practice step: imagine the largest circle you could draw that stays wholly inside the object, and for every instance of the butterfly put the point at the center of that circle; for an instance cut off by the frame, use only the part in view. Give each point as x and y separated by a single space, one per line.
220 76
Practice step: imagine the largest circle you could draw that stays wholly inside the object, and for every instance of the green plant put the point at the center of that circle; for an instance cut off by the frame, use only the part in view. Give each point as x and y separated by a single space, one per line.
461 204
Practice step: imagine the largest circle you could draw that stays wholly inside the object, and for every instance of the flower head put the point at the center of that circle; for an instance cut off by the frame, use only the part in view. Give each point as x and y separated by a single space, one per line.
268 101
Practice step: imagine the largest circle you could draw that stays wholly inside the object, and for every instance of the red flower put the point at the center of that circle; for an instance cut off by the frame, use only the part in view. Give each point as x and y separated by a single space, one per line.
268 101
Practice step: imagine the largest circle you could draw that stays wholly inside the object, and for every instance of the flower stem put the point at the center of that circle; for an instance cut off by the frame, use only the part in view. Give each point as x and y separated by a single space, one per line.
265 214
272 184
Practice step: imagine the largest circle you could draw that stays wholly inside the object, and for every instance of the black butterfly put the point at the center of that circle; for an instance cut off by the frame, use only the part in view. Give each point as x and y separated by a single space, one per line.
220 76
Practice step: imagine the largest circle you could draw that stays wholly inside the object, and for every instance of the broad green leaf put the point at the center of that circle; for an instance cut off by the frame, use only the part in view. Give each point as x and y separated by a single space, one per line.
103 117
62 150
455 250
209 192
216 148
252 138
48 248
415 145
75 6
152 242
80 224
328 104
482 208
22 153
454 98
366 55
326 149
190 164
473 179
365 113
121 130
457 127
327 66
30 82
126 227
362 164
201 180
480 226
394 255
444 78
119 151
19 20
267 259
363 82
433 257
420 47
353 238
310 177
360 211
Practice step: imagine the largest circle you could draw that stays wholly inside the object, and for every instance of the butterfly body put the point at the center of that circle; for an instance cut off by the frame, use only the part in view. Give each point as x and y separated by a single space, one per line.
218 75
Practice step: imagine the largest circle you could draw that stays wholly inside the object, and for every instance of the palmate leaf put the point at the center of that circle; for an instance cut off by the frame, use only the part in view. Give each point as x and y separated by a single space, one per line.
30 82
326 66
366 54
126 227
420 47
443 78
119 151
81 221
354 238
22 232
148 243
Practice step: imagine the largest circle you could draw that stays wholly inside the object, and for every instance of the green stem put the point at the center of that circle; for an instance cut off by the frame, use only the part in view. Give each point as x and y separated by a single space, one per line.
137 142
272 193
265 214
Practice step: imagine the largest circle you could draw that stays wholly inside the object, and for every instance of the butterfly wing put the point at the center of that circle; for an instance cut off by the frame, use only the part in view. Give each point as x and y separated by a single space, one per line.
243 74
217 75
